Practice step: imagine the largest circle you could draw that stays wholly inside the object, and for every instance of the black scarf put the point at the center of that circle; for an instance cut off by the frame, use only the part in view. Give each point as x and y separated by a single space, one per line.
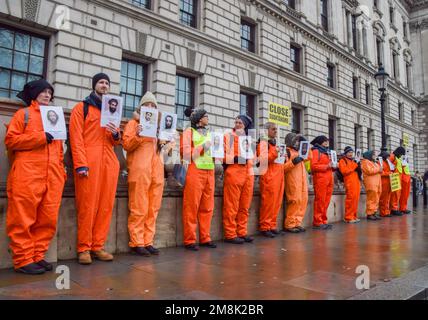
93 100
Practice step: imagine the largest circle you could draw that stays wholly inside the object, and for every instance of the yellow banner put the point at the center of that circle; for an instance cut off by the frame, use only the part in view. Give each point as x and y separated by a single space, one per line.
406 139
279 114
395 182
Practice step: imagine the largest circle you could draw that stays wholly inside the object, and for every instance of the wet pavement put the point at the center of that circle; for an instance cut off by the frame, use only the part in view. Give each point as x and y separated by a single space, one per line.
316 264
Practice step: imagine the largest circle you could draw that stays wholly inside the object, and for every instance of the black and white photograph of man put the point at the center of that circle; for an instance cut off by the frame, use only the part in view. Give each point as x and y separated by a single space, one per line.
54 122
111 110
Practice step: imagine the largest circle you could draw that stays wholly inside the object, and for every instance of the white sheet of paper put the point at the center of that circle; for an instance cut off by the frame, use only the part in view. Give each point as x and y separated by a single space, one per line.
333 156
111 102
304 149
168 126
217 145
245 149
54 122
358 155
149 122
281 154
380 159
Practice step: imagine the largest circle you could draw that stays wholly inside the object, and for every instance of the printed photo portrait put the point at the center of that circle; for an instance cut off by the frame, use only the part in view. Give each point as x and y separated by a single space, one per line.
168 126
149 122
217 147
111 110
245 148
54 122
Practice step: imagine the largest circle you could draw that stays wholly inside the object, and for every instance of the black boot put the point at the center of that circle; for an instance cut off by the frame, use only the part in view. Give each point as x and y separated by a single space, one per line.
372 217
292 230
31 268
152 250
208 244
396 213
267 234
141 251
275 232
301 228
46 265
192 247
247 239
234 240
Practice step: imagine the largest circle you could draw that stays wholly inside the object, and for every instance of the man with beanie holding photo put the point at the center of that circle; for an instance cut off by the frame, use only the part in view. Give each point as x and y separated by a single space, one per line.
96 171
395 159
35 182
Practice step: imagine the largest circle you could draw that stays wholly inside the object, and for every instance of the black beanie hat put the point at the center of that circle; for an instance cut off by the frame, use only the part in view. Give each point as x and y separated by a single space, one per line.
400 151
98 77
319 140
248 122
32 89
348 149
196 116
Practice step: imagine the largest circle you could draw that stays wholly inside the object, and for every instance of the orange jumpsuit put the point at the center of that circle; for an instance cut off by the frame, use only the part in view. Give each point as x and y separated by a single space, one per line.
386 190
237 191
34 187
323 185
296 191
395 196
406 183
92 147
372 184
271 187
145 185
198 194
352 186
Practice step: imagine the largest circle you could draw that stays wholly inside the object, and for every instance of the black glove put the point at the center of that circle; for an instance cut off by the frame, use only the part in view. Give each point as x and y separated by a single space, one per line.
49 137
297 160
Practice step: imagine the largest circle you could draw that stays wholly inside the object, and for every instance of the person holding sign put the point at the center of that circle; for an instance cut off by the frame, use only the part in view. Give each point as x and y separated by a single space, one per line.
349 167
35 182
296 185
198 193
322 172
386 186
271 182
145 180
96 172
395 159
238 184
406 183
372 184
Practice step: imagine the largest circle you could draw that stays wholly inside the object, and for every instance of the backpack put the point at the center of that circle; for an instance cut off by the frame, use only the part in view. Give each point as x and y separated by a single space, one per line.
339 174
10 153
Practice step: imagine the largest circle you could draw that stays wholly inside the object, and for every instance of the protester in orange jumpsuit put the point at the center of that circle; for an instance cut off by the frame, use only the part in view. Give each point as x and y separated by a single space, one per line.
271 181
238 185
406 183
96 172
35 182
349 169
198 194
386 187
145 180
372 184
296 185
394 201
322 173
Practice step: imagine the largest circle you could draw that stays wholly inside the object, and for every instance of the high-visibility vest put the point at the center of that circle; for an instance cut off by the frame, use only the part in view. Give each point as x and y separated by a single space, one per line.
205 161
399 166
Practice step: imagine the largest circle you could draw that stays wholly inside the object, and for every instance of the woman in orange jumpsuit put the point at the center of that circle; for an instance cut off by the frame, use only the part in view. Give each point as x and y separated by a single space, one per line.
296 185
395 159
386 187
349 169
406 183
96 172
271 182
35 182
145 181
322 173
238 185
372 184
198 193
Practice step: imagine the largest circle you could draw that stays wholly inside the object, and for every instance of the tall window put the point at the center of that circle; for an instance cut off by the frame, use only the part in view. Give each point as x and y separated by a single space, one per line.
413 116
188 12
296 120
370 139
332 133
408 75
379 51
415 157
405 29
247 105
395 74
355 87
248 35
331 75
391 14
401 111
324 14
132 85
388 142
357 136
354 32
295 58
22 59
290 3
375 4
368 94
184 96
141 3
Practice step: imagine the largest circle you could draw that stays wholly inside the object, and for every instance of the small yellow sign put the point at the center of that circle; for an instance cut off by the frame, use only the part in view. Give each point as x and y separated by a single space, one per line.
279 114
395 182
406 139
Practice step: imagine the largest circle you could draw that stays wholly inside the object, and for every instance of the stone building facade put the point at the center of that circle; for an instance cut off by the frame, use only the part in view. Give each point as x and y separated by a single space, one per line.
228 56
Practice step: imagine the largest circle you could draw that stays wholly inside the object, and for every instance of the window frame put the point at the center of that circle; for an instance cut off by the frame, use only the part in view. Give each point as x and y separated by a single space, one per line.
324 15
332 132
252 106
138 4
45 55
194 14
252 41
193 84
331 67
294 46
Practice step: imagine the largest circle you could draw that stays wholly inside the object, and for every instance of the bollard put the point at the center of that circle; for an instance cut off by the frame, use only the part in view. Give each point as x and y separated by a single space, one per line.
415 192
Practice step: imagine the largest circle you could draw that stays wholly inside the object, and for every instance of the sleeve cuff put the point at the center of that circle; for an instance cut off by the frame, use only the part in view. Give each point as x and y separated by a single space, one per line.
81 169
